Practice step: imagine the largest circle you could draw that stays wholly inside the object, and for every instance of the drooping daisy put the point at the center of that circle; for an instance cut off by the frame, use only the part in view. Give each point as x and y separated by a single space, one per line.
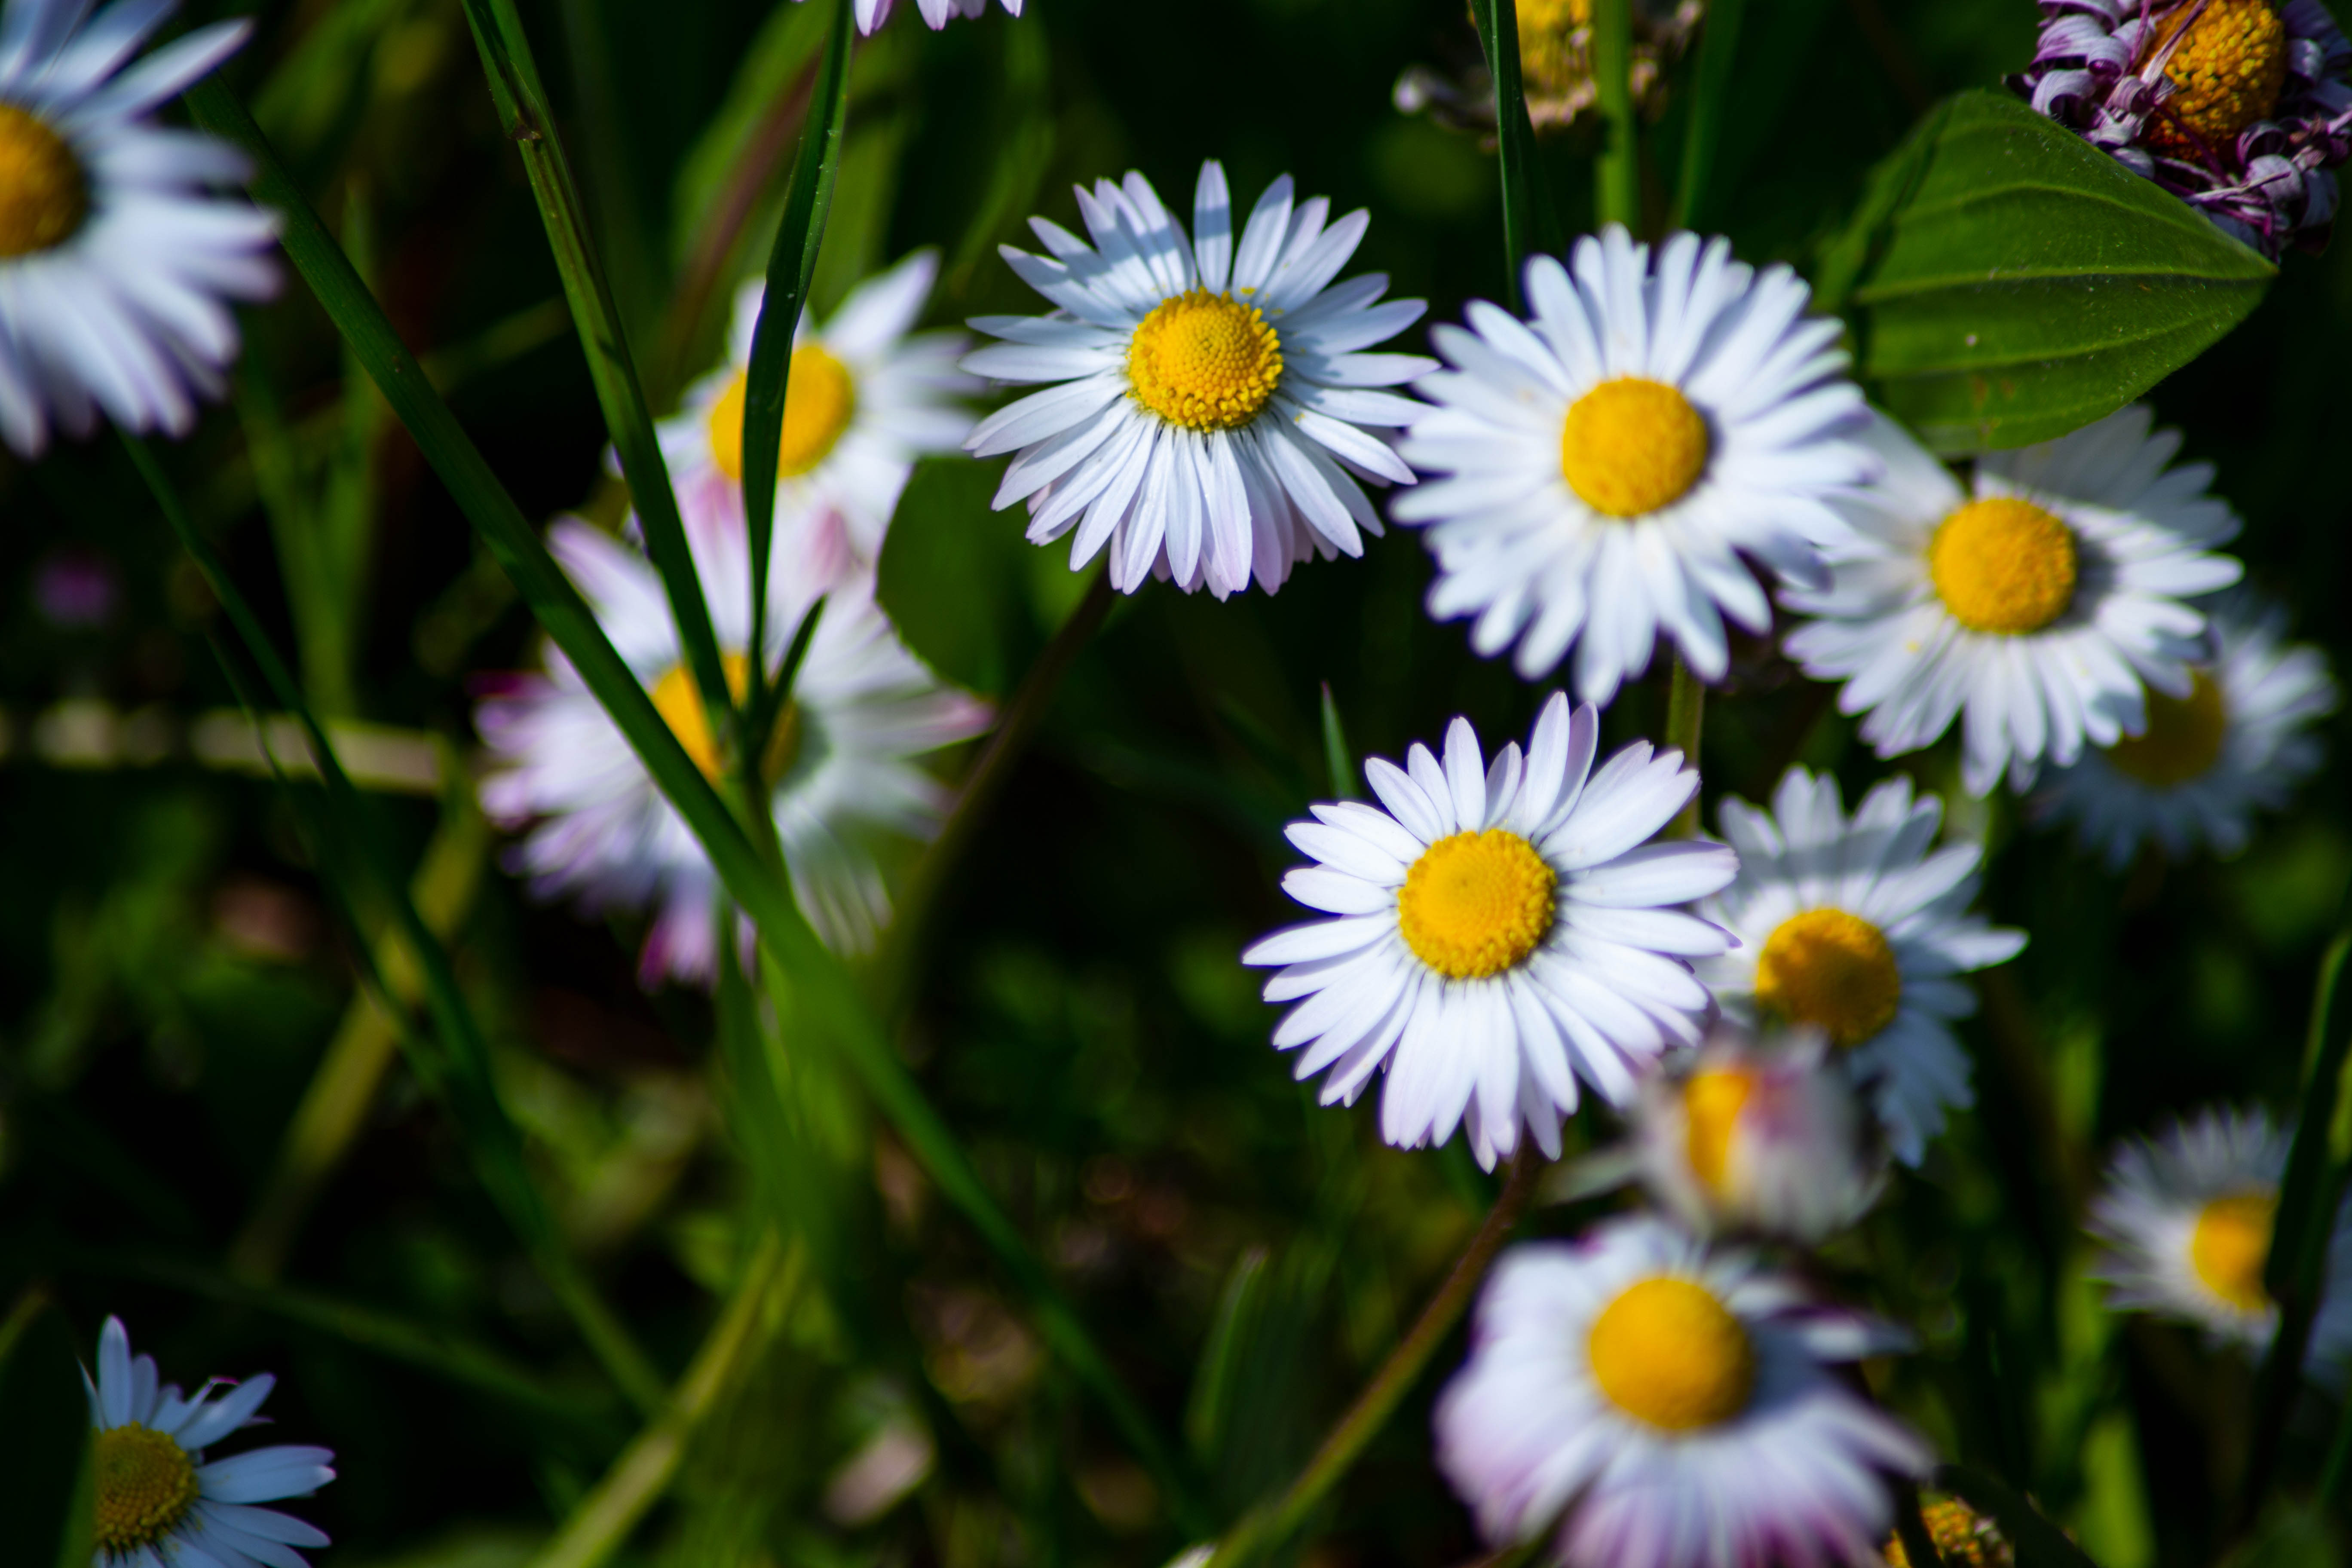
1496 933
161 1503
864 401
2240 108
1668 1404
116 265
2031 605
2239 741
1608 464
2185 1220
1854 928
872 14
840 759
1208 420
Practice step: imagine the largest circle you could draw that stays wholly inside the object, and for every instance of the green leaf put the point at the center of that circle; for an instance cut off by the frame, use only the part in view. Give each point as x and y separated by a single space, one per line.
1338 758
949 574
2038 1542
2005 282
1529 222
48 1481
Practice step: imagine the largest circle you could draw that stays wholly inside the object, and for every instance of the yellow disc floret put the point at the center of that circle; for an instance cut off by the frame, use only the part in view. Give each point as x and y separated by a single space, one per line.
2183 738
677 701
2230 1244
2226 74
1476 903
820 400
1832 970
1203 360
1963 1538
2002 564
1667 1352
1549 60
1712 1101
146 1483
1632 446
43 196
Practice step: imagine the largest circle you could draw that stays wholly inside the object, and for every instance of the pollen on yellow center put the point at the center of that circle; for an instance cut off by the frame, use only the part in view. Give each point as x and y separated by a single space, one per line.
1203 360
678 701
1476 903
1632 446
2226 74
2183 738
820 400
2229 1246
1712 1101
1832 970
2002 564
44 195
146 1483
1667 1352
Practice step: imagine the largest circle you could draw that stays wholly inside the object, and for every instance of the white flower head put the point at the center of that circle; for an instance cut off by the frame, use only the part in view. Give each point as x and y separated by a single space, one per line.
1668 1404
937 14
1608 464
1859 927
2031 604
841 757
116 265
1497 932
2239 741
1211 410
864 401
160 1501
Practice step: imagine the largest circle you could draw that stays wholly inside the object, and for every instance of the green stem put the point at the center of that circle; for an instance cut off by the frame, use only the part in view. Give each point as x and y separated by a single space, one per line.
1685 706
1710 93
1617 190
1529 223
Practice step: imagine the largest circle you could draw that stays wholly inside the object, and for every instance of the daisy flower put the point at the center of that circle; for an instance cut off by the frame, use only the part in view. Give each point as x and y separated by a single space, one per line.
2185 1218
872 14
1497 932
1668 1404
160 1501
841 759
116 265
2239 741
1209 412
1854 927
2031 605
1608 464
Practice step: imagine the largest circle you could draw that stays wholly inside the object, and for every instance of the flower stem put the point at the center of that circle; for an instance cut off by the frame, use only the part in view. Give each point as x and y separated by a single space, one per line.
1685 706
1617 191
1529 222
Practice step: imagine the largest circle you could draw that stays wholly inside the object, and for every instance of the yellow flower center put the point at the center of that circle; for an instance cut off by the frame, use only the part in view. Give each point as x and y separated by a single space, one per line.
2183 738
1632 446
1712 1101
678 701
1667 1352
1832 970
2231 1244
820 400
2225 76
1476 903
1204 361
1548 63
146 1483
2002 564
43 194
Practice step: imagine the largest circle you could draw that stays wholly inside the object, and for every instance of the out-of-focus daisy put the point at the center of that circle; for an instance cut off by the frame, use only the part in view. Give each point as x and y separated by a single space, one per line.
161 1503
2186 1218
1608 465
840 760
1762 1138
937 14
1856 929
1556 66
864 401
116 265
2030 605
2240 108
1963 1536
1668 1404
1212 411
1496 933
2239 741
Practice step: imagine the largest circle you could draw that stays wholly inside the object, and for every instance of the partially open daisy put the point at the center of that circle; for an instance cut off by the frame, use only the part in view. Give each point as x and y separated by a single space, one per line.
2031 604
1496 933
1608 465
160 1501
1668 1404
937 14
1859 928
840 760
2238 742
1211 413
864 401
116 265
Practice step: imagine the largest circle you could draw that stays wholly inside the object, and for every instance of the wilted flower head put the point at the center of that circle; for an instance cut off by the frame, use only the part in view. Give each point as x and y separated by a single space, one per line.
1963 1536
1556 66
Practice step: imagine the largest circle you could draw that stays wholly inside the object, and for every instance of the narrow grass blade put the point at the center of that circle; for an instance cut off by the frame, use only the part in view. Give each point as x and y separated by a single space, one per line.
1617 186
1337 757
2037 1543
1685 708
1718 46
47 1473
1529 222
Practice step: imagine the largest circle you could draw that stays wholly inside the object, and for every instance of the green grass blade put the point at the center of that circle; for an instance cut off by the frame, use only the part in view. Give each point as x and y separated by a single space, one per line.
1337 757
1617 187
1718 44
1529 223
